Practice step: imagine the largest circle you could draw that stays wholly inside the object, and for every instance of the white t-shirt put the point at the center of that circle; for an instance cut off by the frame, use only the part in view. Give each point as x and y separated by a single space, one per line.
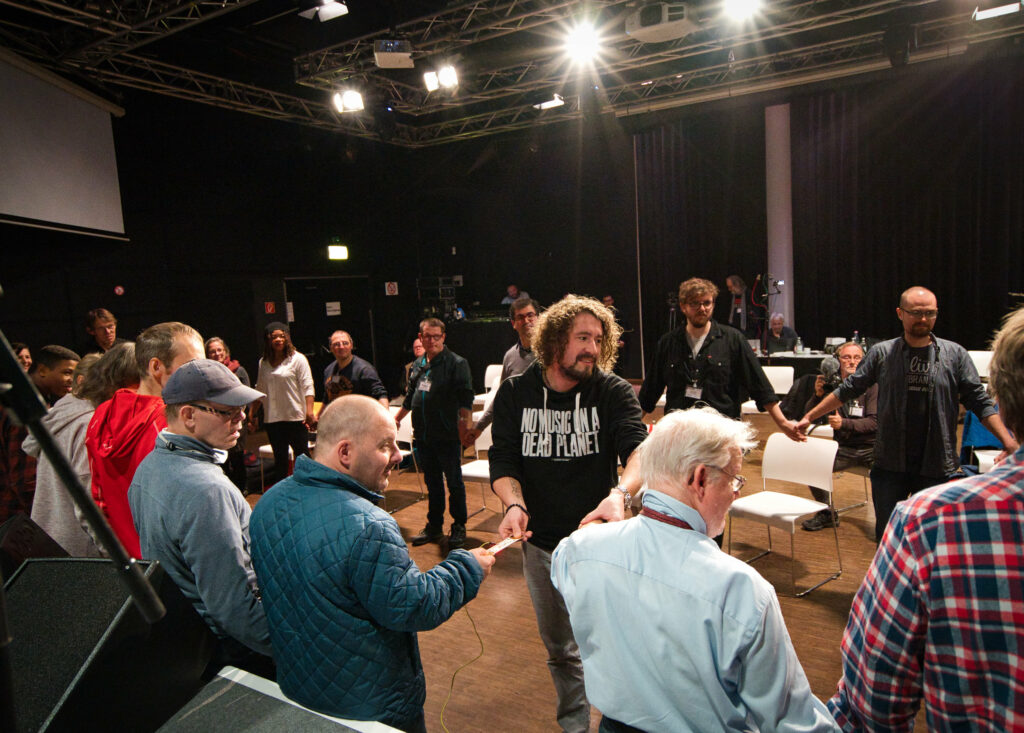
286 387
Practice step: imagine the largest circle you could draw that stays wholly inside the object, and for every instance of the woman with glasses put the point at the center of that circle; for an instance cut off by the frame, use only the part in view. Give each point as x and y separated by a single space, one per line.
286 380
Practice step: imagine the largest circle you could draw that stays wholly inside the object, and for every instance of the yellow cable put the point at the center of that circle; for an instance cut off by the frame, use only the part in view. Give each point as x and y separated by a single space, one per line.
451 687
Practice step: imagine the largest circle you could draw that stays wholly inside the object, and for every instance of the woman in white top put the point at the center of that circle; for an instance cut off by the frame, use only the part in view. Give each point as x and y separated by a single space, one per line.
286 380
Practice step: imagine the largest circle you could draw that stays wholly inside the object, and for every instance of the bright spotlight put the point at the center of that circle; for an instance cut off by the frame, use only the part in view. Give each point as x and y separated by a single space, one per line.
582 44
447 76
348 101
740 9
431 82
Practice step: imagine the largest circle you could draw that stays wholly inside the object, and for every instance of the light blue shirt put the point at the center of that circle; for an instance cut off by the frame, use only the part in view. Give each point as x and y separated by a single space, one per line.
710 652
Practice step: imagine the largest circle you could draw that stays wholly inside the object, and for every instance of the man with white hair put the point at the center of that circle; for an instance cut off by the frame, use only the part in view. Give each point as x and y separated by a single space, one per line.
938 617
714 653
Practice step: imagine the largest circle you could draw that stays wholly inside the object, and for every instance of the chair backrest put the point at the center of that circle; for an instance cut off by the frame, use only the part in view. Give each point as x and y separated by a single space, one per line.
981 361
809 462
492 375
781 378
405 429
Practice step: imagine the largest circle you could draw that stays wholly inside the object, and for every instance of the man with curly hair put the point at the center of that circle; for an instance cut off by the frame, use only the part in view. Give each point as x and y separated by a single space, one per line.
560 429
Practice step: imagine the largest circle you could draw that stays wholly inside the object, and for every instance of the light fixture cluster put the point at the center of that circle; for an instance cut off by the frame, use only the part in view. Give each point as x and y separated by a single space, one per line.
444 77
348 100
987 10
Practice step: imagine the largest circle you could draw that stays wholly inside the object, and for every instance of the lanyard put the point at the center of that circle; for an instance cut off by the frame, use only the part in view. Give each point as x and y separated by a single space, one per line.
659 517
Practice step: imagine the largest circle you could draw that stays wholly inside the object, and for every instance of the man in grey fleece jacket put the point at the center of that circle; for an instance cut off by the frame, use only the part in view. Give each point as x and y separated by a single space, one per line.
191 517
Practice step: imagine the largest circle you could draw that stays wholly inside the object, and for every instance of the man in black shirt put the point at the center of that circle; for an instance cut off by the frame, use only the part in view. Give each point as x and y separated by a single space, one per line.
704 362
349 374
440 398
560 429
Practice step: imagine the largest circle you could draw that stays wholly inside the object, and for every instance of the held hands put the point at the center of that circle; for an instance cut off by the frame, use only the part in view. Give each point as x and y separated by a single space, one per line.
469 437
485 559
310 421
795 430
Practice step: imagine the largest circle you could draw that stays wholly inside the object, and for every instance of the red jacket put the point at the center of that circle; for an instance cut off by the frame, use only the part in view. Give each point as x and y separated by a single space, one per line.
121 433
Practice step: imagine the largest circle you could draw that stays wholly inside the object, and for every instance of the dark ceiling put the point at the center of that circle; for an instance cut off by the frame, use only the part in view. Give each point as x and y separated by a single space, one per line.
261 57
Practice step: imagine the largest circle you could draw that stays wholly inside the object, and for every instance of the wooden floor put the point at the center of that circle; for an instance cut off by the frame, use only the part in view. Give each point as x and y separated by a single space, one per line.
508 687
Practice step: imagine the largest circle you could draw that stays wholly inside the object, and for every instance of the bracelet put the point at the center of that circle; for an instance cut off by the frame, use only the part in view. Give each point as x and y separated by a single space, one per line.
520 506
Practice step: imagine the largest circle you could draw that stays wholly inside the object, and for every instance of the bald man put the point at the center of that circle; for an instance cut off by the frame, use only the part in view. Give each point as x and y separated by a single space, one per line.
921 379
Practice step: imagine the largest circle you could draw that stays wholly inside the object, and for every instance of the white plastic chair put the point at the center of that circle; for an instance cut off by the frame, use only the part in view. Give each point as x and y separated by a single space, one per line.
404 438
492 376
781 379
806 463
981 361
478 471
825 431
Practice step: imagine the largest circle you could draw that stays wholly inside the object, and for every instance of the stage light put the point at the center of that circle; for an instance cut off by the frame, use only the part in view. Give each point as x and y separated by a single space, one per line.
448 77
337 252
555 101
431 82
348 100
323 10
582 44
740 9
985 11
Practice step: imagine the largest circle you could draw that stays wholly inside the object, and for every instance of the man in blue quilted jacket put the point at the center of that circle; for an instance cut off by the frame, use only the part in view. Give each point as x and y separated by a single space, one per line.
343 598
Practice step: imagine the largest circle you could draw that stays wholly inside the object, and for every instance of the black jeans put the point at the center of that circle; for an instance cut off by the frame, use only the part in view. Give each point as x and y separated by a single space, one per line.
440 460
282 435
888 488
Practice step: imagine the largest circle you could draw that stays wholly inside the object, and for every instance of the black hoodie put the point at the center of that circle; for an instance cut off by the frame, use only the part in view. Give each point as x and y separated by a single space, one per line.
563 447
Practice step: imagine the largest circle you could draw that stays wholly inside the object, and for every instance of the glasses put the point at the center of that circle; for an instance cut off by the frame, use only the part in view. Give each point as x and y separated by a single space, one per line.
525 317
696 304
738 482
921 314
234 415
431 336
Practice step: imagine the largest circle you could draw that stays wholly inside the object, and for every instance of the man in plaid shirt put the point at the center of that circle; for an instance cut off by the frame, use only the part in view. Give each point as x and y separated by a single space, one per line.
940 615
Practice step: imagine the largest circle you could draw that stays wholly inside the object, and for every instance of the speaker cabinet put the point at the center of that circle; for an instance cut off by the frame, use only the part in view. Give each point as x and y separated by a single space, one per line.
82 656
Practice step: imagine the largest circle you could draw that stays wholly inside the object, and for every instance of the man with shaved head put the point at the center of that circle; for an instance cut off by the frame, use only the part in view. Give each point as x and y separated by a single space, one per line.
921 379
343 597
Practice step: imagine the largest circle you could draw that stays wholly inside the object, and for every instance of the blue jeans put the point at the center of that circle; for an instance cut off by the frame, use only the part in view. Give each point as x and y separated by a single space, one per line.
440 460
888 488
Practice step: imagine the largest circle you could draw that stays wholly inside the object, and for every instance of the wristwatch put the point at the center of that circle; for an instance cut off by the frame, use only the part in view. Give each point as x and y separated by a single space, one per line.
627 498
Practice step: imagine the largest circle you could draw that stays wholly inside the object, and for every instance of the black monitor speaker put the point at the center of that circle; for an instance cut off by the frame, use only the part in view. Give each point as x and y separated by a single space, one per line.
82 656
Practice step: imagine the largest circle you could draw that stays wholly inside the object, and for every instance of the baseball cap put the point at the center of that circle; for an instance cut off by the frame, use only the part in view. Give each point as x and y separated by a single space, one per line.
205 379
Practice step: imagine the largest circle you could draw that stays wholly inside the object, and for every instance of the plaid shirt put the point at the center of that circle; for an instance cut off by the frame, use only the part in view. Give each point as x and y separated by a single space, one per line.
940 615
17 470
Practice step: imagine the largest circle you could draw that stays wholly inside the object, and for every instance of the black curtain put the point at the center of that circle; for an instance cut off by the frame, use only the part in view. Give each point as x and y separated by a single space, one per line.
915 179
701 208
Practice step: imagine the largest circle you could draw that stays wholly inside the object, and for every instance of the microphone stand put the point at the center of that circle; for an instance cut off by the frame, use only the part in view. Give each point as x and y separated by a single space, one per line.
19 395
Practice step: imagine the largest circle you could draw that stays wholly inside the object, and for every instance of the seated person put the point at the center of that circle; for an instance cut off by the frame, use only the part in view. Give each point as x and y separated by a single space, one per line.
780 336
192 519
512 294
714 654
344 599
854 426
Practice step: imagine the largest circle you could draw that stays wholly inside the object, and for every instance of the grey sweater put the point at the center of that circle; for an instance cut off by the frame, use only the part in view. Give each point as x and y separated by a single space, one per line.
53 509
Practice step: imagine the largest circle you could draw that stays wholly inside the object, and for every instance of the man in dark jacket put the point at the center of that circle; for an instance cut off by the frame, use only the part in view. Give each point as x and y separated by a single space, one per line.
440 398
561 428
343 597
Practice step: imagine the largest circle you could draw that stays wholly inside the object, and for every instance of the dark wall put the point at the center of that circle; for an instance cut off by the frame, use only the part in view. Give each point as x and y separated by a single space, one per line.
220 206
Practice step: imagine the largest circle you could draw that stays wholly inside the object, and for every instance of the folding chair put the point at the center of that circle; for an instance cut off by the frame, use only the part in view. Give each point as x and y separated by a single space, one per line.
781 379
404 438
492 376
806 463
478 471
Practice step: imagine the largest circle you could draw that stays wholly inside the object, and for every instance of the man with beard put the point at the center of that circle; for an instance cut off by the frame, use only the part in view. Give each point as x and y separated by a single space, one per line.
561 428
920 378
705 362
523 313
